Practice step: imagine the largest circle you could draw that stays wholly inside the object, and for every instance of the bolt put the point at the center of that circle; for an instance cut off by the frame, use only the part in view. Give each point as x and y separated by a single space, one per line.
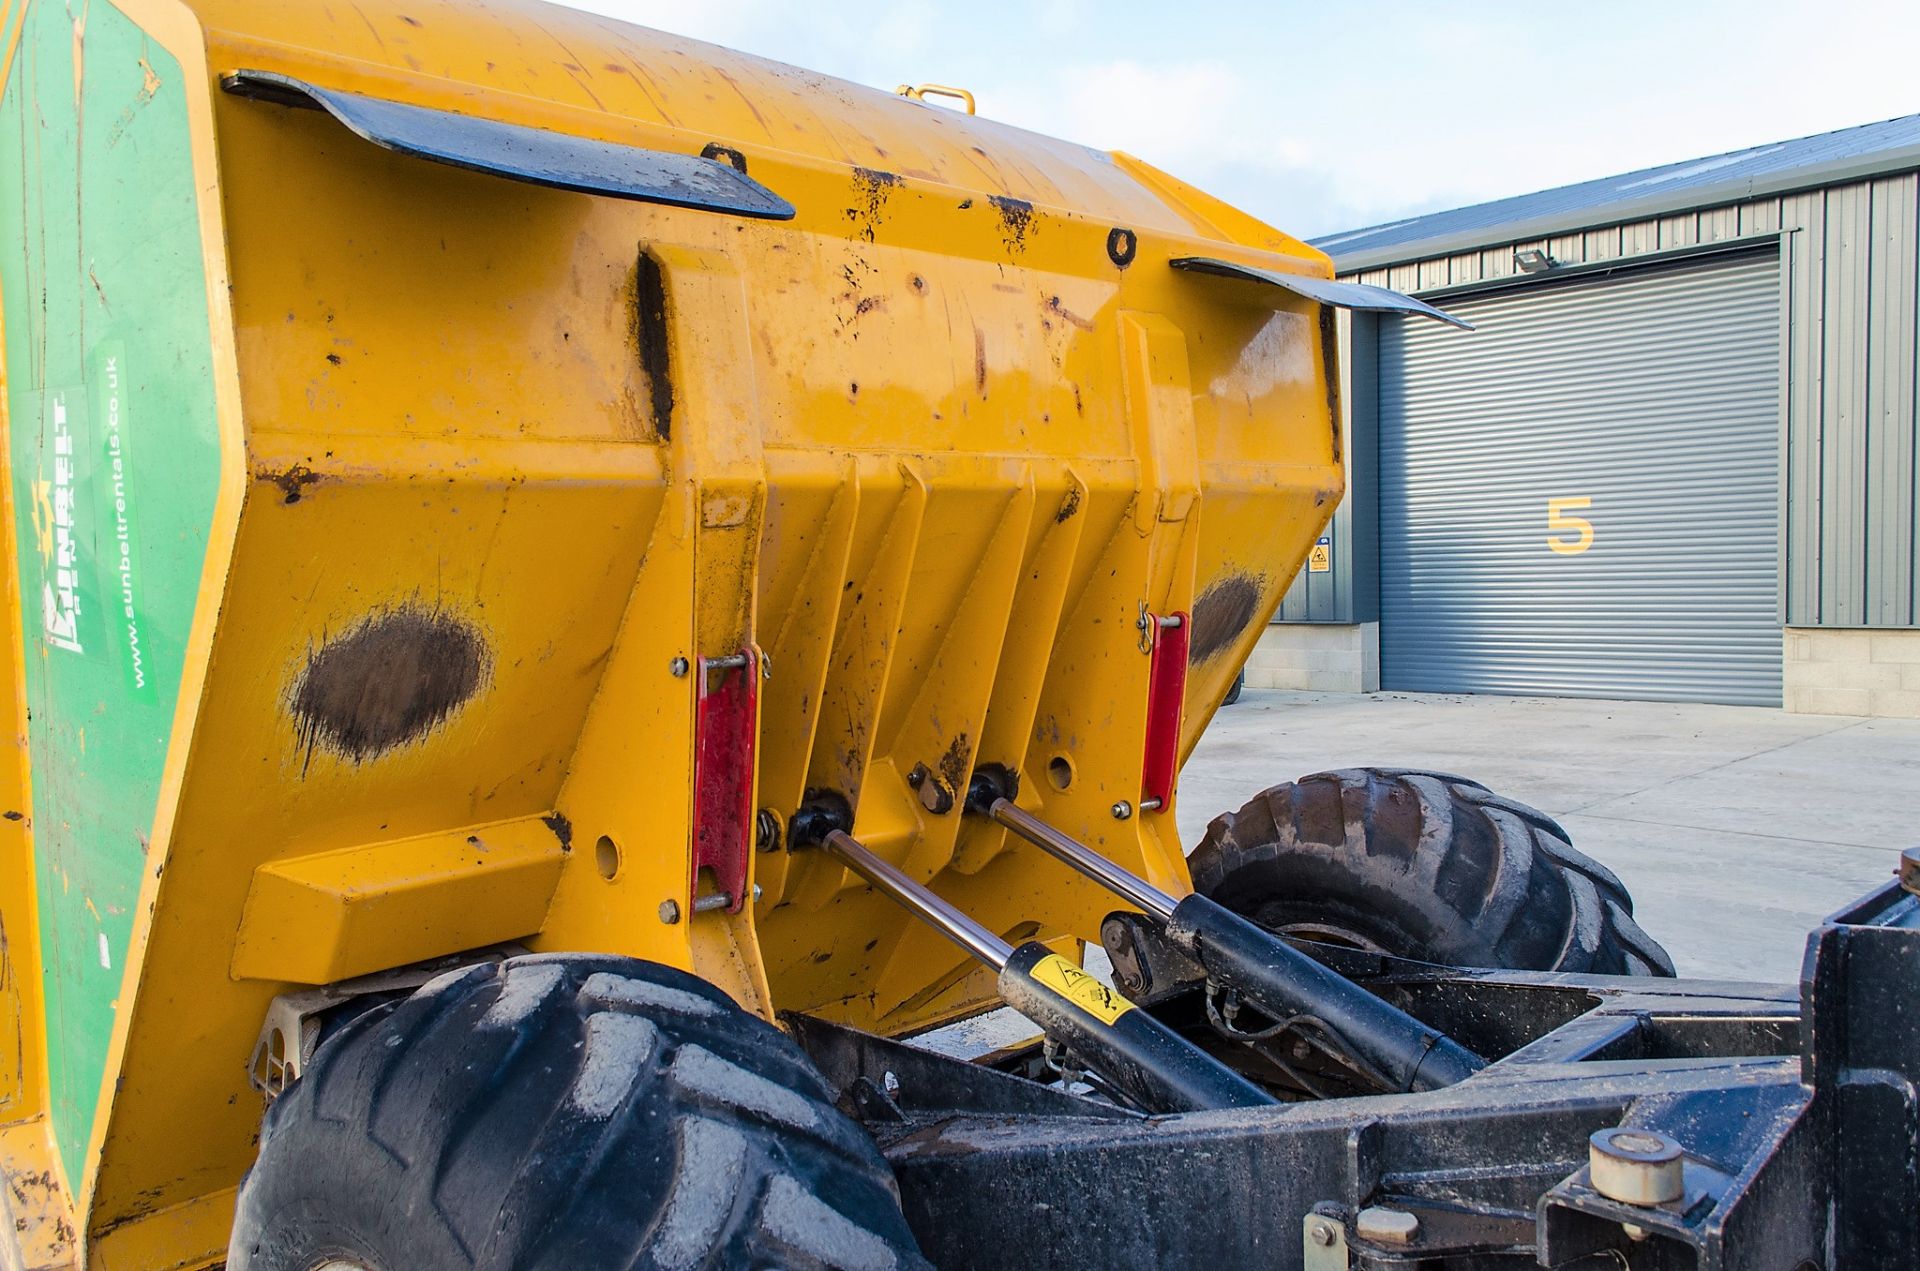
679 667
1122 810
669 912
935 795
1321 1233
717 900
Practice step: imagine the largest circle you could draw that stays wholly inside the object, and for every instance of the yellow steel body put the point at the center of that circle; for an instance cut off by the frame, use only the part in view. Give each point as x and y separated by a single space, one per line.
933 452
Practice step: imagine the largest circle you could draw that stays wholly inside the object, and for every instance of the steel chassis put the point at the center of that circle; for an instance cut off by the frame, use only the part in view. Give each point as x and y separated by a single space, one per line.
1796 1111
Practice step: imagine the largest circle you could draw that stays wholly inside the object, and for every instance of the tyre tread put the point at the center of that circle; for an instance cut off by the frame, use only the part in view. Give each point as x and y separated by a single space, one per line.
1434 863
485 1108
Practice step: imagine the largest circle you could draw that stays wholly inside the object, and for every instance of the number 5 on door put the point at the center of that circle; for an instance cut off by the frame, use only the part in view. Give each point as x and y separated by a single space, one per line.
1580 526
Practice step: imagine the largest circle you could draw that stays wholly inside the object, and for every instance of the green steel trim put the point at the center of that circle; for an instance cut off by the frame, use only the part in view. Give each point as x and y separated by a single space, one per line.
114 450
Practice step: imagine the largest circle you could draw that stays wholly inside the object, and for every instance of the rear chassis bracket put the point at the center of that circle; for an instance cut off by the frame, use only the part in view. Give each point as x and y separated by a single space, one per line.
1760 1086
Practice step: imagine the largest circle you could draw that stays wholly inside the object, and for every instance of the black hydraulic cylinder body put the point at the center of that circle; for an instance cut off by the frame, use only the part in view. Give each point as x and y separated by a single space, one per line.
1149 1064
1285 983
1140 1058
1261 967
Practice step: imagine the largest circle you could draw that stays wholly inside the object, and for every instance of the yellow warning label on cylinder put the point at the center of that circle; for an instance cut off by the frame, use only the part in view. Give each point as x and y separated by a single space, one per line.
1085 992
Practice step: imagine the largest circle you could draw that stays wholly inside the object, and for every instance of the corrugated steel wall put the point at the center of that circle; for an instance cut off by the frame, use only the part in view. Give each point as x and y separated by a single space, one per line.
1643 404
1348 590
1850 511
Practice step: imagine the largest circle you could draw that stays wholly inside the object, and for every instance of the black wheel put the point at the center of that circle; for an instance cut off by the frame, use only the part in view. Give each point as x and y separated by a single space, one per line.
1422 865
1233 694
564 1112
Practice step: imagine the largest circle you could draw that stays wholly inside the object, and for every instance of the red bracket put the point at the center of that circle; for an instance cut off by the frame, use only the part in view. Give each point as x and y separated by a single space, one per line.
726 731
1166 699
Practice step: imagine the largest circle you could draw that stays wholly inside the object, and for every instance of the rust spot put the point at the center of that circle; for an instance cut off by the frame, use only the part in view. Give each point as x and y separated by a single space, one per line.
650 339
1016 220
870 189
12 815
721 154
409 21
980 360
868 304
388 681
1221 613
562 829
293 482
953 764
335 358
1068 506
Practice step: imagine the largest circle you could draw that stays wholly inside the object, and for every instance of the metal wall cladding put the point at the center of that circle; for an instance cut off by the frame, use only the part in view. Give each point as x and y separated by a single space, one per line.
1653 396
1852 532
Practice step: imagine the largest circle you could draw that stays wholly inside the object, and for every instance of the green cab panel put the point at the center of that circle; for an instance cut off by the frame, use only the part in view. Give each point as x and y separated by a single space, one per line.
113 450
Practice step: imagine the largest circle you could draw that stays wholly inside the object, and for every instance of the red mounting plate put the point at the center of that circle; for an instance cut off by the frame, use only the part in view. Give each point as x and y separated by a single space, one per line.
726 730
1166 698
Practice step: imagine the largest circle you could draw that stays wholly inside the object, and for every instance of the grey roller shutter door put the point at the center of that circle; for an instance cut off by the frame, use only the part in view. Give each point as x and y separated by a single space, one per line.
1652 395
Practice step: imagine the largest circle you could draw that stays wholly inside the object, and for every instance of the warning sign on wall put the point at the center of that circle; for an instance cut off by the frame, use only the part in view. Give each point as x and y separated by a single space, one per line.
1321 561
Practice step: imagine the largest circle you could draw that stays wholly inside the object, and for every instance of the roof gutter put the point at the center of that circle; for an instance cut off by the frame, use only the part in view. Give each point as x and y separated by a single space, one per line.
1710 194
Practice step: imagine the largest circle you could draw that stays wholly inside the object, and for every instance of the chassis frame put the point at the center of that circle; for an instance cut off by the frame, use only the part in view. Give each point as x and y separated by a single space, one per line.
1796 1111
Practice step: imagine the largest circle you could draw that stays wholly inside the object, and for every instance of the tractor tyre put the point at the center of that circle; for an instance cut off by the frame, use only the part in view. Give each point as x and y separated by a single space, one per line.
1426 866
564 1111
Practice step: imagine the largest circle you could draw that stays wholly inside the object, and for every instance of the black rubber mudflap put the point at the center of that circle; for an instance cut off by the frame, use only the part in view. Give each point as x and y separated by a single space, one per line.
565 1112
1423 865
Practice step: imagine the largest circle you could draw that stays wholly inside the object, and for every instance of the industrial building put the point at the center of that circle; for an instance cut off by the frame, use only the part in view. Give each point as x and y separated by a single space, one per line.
1675 460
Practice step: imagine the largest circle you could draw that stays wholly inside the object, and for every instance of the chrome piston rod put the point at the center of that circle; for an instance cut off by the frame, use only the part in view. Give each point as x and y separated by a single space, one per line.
1143 894
940 915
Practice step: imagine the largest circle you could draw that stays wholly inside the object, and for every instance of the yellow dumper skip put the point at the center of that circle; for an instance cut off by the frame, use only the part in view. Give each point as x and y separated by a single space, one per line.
422 416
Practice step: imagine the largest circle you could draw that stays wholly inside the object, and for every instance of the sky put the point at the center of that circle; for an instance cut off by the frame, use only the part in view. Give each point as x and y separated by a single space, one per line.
1333 116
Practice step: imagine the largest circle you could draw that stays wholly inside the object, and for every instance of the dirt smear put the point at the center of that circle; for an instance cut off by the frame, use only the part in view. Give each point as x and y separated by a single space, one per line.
1221 613
386 682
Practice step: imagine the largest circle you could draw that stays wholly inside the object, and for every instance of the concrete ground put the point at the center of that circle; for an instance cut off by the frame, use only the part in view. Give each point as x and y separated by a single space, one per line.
1736 828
